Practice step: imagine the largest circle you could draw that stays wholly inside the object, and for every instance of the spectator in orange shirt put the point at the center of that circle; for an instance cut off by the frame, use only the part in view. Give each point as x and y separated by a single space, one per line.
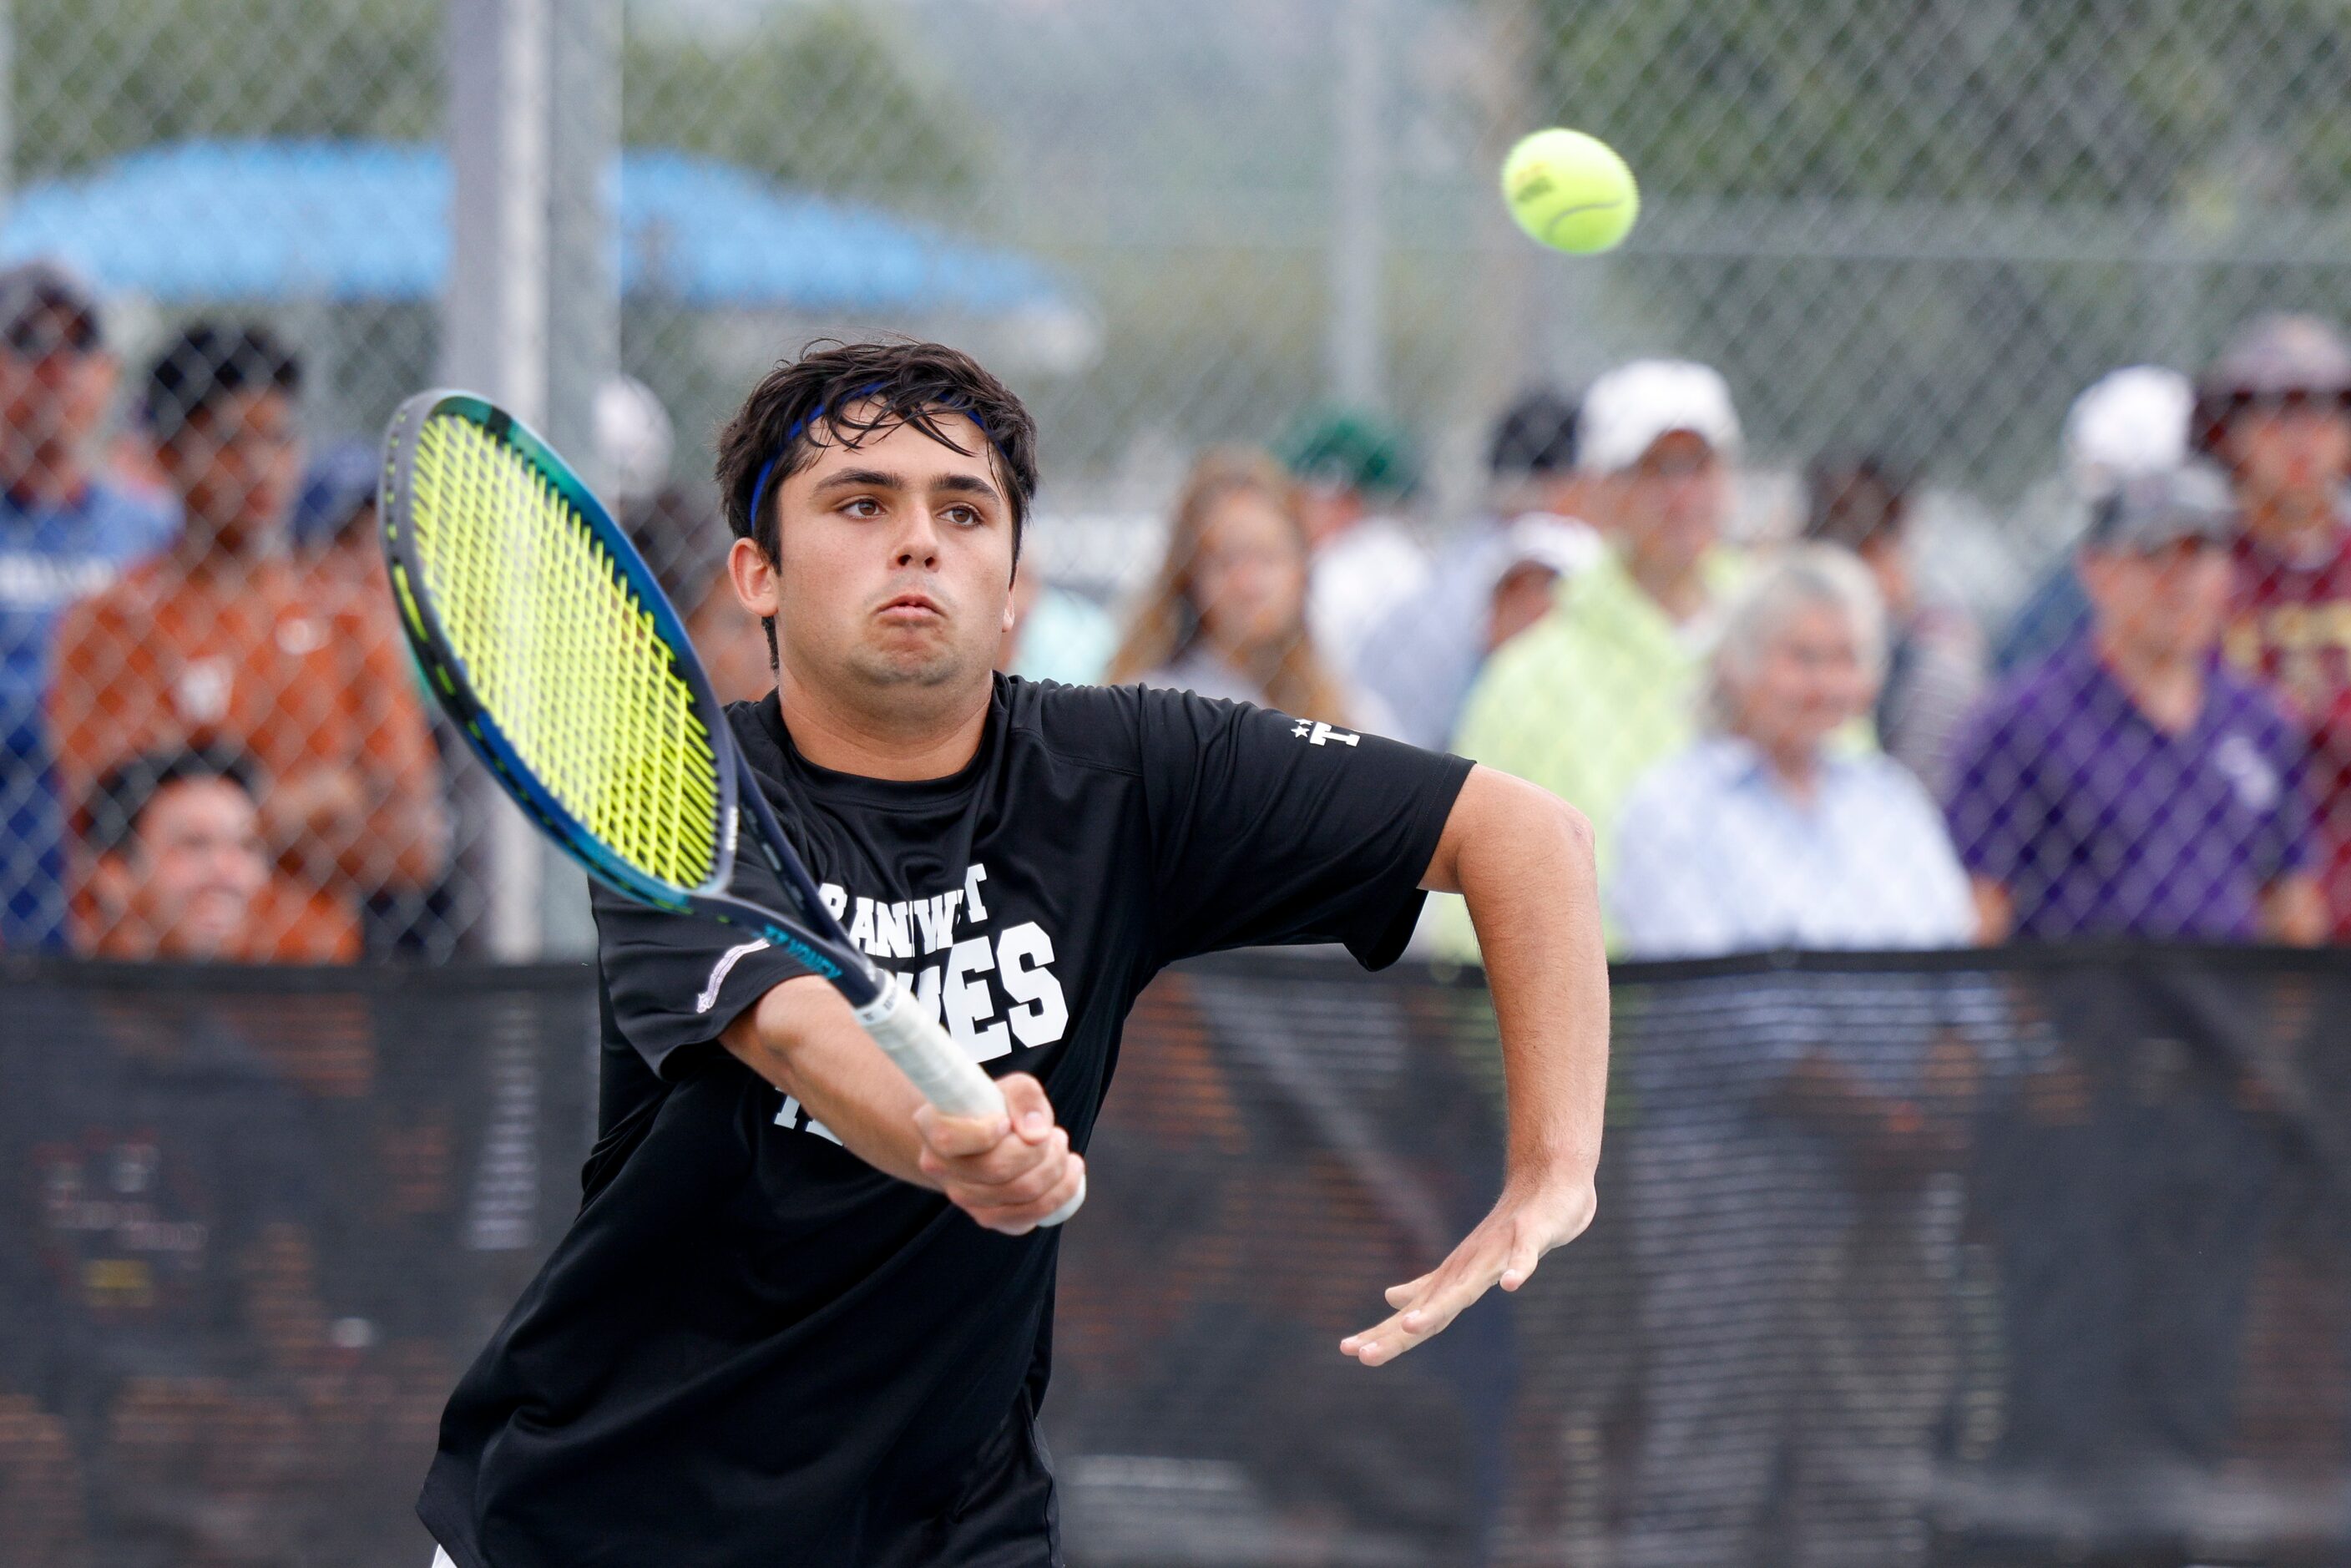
334 535
179 872
223 642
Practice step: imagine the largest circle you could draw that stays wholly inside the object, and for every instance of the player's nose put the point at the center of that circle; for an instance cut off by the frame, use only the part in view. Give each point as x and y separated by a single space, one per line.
917 544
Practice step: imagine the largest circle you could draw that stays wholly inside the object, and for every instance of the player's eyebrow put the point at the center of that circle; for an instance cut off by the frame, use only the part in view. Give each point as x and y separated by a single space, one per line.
861 478
880 479
966 485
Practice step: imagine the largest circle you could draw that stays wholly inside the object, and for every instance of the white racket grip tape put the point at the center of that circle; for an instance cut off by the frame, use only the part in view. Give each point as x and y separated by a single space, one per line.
946 1076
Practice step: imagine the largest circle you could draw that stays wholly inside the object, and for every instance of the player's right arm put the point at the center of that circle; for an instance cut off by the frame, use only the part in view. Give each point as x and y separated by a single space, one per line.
1006 1171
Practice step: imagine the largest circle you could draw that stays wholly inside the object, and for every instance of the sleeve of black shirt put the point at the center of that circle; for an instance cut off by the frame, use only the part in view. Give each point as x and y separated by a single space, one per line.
1268 830
678 980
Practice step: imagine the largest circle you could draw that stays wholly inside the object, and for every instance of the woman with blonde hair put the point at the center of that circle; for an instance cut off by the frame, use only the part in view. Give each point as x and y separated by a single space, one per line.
1226 614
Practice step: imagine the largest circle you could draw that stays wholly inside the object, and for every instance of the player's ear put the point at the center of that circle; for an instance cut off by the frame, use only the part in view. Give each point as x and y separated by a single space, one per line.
754 577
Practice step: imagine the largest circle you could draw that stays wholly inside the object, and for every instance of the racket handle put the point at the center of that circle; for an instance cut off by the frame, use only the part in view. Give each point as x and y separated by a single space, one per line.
946 1076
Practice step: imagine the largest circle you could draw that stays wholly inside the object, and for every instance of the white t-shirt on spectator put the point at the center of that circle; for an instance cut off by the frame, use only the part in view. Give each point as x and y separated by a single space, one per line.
1357 578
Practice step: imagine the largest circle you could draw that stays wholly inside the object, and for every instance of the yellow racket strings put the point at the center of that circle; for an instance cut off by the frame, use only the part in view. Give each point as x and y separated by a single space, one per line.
562 653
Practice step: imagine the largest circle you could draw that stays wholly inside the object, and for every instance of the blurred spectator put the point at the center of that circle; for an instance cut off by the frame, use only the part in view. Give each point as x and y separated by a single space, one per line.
2131 785
1789 1174
681 535
1349 465
1056 635
1934 653
1225 616
180 872
334 534
337 543
1762 834
2129 422
733 645
1492 582
1605 685
635 441
220 642
2275 411
64 533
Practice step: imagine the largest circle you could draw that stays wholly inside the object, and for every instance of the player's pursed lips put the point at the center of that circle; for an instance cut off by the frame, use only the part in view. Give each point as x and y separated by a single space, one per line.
911 607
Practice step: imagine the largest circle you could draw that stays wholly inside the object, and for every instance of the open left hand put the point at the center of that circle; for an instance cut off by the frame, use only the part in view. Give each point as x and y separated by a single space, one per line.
1503 1250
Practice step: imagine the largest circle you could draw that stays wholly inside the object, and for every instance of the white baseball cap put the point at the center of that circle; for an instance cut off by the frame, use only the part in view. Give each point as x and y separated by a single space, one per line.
1561 545
634 438
1629 407
2127 424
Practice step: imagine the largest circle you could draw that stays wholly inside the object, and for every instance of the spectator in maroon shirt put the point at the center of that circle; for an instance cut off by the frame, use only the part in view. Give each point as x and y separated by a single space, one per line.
2276 408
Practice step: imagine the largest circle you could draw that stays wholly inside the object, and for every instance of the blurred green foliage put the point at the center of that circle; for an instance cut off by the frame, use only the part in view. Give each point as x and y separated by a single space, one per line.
2092 102
822 96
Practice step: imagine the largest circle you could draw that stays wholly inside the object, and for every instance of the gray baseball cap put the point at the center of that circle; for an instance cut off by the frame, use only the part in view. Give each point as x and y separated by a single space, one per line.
2146 512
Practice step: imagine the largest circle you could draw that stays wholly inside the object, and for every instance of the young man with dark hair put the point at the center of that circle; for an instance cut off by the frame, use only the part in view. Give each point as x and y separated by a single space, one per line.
1934 652
225 641
802 1317
179 871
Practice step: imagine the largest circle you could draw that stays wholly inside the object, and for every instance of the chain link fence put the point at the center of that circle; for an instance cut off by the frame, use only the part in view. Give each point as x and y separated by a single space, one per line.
1902 238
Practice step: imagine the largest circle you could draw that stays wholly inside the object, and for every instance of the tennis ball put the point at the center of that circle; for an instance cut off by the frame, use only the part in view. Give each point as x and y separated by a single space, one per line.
1569 191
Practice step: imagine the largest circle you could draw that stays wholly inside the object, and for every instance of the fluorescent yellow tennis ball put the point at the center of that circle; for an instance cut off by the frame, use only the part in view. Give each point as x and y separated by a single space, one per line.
1569 191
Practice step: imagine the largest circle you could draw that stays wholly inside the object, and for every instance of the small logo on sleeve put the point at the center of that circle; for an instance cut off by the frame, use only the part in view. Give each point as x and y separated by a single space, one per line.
1320 733
719 971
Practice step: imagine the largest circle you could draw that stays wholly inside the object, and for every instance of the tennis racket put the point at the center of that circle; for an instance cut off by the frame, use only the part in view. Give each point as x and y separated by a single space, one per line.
543 633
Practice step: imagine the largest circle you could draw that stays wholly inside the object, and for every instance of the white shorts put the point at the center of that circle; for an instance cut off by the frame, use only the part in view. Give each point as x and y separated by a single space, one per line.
441 1559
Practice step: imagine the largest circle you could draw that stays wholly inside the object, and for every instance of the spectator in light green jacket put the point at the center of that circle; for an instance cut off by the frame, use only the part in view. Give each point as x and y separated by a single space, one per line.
1589 697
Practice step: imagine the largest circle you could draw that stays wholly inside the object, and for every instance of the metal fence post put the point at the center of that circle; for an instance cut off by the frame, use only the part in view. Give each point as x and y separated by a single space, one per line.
495 333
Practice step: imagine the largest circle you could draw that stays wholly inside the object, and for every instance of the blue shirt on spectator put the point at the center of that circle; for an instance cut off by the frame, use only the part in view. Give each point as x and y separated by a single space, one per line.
2097 822
50 554
2057 611
1714 855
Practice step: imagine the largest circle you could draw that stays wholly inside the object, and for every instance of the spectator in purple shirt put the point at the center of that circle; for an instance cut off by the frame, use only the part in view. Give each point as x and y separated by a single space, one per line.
2131 785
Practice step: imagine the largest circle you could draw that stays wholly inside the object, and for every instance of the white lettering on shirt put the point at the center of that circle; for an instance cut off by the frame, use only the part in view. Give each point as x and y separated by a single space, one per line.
991 995
967 1003
937 917
893 932
1039 1013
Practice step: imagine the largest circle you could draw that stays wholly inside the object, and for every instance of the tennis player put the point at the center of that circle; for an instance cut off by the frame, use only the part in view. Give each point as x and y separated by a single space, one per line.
803 1319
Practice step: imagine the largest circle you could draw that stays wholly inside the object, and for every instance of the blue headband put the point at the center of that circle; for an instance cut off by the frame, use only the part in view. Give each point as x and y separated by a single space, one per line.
799 427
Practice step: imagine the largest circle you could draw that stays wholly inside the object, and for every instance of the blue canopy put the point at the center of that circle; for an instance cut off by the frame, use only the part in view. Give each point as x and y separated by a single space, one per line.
350 221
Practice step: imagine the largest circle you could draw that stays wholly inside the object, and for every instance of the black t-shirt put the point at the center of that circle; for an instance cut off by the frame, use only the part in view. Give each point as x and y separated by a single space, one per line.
752 1348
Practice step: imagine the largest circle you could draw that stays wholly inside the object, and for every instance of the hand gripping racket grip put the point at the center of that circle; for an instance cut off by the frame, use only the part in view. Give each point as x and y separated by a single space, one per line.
948 1078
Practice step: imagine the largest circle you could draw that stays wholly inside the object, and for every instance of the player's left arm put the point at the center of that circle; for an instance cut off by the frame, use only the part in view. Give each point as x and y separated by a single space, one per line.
1523 859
